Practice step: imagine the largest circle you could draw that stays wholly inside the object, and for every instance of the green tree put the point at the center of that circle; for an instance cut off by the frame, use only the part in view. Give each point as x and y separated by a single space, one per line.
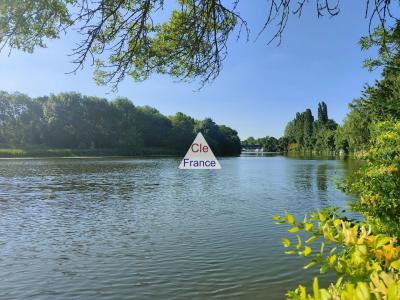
66 125
250 141
182 132
269 144
305 134
21 120
322 113
308 129
211 133
355 129
153 126
230 142
127 127
283 144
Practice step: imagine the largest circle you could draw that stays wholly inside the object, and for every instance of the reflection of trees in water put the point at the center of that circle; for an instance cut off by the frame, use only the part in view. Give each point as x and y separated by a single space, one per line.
303 177
315 180
351 165
322 177
322 181
311 177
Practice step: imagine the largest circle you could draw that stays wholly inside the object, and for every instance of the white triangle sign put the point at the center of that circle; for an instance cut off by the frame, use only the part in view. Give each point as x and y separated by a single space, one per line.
199 156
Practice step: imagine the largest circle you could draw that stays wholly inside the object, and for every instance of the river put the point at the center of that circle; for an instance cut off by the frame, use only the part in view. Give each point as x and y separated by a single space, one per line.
130 228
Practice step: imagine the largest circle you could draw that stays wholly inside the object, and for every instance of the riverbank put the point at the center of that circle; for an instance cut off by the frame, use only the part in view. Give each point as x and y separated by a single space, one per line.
62 152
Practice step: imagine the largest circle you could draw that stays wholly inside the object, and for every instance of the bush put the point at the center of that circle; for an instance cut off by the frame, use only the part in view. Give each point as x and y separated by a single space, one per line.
377 182
367 265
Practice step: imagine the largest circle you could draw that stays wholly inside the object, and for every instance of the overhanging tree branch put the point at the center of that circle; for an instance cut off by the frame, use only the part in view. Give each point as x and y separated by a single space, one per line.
130 37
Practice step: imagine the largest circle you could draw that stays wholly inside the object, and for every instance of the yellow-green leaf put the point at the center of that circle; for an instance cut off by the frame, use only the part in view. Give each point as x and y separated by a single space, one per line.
316 288
294 229
290 218
383 241
306 251
331 259
337 222
286 242
311 264
393 292
362 291
308 226
321 251
299 242
395 264
276 218
311 239
321 216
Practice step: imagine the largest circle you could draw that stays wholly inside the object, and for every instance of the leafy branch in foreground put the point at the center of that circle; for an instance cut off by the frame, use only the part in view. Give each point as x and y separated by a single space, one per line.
186 39
367 264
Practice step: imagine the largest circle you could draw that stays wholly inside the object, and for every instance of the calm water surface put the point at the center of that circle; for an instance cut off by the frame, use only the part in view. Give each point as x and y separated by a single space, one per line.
143 229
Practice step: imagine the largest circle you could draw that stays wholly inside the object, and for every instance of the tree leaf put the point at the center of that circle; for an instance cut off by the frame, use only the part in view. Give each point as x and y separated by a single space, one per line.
308 226
307 251
290 218
286 242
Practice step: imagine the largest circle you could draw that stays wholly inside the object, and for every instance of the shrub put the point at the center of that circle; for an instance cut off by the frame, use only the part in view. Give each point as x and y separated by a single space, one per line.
367 265
377 182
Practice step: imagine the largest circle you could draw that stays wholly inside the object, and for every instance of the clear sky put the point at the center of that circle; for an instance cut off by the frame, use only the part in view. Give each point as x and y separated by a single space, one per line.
260 88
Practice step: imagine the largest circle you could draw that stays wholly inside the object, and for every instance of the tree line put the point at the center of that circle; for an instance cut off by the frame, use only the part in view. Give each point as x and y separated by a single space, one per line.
74 121
379 102
303 133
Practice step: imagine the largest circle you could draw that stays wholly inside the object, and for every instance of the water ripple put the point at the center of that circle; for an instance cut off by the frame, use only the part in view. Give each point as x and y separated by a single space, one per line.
142 229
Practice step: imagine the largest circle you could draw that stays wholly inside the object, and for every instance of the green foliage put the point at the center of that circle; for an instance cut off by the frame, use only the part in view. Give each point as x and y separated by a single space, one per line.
294 147
381 101
377 182
302 134
12 152
20 119
325 140
367 264
73 121
26 25
268 143
387 42
305 134
322 112
222 139
123 37
182 131
365 256
230 142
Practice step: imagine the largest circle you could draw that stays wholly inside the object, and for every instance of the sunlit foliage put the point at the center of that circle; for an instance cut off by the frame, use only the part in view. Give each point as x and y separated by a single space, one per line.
366 264
74 121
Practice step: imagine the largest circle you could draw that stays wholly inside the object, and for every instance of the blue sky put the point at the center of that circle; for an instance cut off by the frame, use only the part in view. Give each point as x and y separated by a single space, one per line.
260 88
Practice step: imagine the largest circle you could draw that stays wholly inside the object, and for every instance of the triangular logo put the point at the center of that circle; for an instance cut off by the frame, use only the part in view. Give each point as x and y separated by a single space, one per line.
199 156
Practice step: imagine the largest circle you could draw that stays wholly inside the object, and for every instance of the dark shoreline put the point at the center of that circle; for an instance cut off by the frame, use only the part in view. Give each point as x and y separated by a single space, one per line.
79 153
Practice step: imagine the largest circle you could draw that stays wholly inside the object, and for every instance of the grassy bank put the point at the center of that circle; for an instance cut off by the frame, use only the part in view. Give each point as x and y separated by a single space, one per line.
54 152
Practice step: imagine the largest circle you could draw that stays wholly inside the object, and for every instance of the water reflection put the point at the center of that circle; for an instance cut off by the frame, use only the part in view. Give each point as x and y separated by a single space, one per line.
142 228
316 178
322 177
